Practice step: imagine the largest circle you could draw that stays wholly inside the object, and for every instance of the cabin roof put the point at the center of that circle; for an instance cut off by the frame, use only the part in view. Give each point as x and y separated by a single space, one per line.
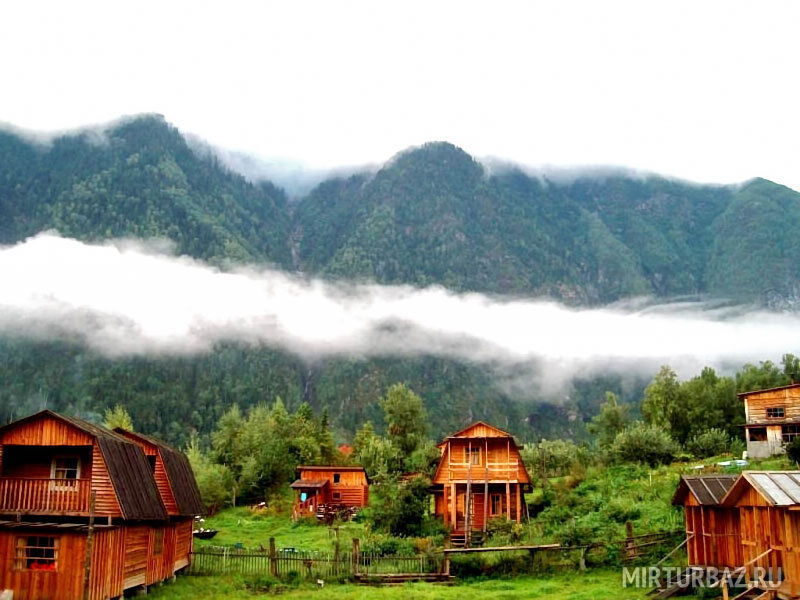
309 483
460 433
127 467
778 488
775 389
328 468
179 472
709 490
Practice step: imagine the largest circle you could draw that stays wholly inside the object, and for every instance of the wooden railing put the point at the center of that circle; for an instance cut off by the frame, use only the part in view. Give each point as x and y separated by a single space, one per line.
44 496
494 471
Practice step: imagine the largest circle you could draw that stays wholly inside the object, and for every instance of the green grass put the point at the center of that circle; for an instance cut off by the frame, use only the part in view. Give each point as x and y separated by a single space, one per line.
253 529
592 585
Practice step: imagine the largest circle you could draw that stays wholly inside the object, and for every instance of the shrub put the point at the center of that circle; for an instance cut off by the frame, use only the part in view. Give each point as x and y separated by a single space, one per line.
709 443
644 443
793 450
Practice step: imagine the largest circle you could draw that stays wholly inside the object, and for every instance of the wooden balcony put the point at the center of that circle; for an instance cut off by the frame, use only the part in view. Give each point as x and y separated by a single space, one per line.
493 472
45 496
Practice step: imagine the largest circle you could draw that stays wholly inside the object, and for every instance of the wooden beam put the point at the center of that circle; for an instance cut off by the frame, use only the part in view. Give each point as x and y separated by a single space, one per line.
453 505
508 500
501 548
519 505
485 483
446 506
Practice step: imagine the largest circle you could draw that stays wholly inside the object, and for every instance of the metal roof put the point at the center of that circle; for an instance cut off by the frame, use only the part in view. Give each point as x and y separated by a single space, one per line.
775 389
707 489
779 488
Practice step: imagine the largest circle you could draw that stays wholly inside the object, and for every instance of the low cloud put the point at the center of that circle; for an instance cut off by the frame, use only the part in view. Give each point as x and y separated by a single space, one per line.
126 298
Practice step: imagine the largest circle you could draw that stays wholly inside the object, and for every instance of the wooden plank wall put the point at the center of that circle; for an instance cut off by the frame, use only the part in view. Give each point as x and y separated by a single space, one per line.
64 584
108 551
160 562
45 432
757 404
137 544
164 487
106 503
183 543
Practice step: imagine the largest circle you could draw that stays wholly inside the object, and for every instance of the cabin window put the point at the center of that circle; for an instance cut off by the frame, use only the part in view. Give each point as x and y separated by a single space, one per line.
776 412
337 496
472 455
336 477
789 432
158 541
757 434
36 553
65 471
497 505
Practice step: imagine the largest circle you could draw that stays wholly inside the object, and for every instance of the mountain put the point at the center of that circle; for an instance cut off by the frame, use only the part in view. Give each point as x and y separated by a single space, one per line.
139 179
431 215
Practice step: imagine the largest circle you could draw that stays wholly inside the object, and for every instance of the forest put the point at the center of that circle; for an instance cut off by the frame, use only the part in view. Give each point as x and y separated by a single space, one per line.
430 215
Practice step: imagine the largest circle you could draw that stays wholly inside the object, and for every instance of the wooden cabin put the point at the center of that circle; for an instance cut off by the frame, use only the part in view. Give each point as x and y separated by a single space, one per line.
480 476
66 483
772 419
319 486
712 530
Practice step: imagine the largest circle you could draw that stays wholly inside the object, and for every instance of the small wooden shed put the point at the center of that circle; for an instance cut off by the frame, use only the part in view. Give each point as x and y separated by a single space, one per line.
712 530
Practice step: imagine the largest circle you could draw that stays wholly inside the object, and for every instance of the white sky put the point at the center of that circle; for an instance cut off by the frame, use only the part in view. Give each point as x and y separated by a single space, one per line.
702 90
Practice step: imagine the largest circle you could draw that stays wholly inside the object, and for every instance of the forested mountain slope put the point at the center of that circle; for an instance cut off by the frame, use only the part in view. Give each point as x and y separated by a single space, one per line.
431 215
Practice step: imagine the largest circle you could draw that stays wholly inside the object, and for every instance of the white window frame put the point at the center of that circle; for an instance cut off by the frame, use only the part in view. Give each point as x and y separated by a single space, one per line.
70 484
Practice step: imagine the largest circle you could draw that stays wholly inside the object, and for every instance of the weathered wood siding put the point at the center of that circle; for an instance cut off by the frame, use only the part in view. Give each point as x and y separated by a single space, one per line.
756 404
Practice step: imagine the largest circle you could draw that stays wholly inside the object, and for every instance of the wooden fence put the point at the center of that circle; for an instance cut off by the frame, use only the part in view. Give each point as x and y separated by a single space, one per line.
225 560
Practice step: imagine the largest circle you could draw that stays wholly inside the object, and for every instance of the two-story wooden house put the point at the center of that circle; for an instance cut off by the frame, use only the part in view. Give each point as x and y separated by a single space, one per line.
772 419
320 486
480 476
80 511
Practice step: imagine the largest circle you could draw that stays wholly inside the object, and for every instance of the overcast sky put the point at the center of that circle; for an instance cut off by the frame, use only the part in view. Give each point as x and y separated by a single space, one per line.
703 90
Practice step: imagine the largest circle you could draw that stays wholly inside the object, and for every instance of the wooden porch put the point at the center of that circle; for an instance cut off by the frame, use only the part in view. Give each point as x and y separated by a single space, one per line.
45 496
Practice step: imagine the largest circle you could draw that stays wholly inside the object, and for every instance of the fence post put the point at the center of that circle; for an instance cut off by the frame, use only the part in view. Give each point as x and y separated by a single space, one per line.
273 558
446 557
355 556
630 547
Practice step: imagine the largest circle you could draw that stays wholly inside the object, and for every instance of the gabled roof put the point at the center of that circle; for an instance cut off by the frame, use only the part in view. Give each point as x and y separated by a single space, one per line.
775 389
708 490
495 431
127 466
179 473
777 488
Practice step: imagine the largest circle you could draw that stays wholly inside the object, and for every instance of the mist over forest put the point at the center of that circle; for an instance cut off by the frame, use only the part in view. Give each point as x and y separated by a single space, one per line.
142 271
